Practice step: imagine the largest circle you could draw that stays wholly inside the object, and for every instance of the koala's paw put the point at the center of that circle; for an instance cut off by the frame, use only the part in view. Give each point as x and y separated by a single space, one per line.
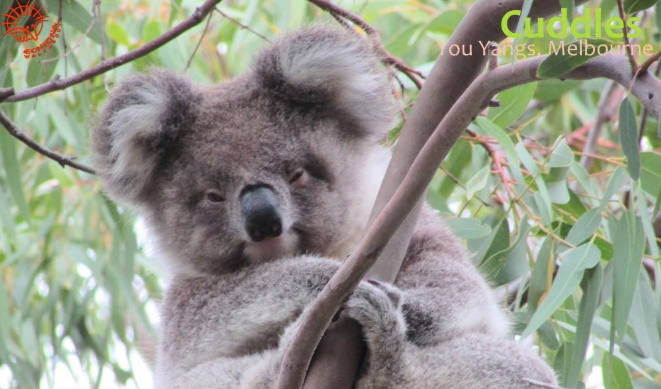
375 306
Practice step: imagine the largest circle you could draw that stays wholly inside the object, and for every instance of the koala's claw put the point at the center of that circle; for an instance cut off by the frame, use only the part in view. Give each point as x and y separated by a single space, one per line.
376 307
393 292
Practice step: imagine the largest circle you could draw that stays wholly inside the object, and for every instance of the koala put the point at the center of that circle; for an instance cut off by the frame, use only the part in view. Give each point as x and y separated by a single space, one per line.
256 189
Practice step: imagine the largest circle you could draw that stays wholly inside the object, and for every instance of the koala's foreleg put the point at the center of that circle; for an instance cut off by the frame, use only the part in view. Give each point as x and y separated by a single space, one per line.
444 296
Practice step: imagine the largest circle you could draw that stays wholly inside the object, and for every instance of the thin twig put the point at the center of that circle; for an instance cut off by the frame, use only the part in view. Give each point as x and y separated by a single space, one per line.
199 42
387 58
96 13
64 37
240 25
649 61
75 46
21 136
625 33
603 114
59 84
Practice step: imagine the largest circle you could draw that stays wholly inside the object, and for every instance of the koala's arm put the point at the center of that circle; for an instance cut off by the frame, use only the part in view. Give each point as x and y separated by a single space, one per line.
231 331
444 294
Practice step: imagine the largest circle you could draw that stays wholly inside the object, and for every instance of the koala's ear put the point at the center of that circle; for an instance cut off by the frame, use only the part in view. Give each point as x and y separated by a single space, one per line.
142 119
330 68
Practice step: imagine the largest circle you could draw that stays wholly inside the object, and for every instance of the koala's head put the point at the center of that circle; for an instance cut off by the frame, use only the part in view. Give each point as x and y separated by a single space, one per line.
278 161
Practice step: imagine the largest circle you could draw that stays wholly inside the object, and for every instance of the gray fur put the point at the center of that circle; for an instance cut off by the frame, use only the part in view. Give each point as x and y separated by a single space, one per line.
317 100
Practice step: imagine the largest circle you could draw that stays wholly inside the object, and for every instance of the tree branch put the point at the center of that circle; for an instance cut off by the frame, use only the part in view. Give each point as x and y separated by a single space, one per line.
625 32
20 135
649 61
62 83
604 112
340 13
241 25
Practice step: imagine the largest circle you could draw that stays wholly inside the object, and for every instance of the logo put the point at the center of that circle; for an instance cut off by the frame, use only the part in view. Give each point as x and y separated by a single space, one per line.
24 23
580 27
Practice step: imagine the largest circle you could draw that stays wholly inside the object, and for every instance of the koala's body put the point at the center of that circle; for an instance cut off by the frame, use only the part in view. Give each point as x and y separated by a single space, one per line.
256 189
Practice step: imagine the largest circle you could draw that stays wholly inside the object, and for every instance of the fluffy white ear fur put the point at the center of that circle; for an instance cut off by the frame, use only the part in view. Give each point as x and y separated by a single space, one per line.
328 66
131 126
144 115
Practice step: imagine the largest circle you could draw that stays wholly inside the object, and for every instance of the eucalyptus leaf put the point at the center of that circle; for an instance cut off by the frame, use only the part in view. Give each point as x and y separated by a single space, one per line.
629 243
513 102
632 6
629 138
570 273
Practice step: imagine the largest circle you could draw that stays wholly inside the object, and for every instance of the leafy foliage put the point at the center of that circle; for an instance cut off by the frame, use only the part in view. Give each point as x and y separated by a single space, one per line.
564 226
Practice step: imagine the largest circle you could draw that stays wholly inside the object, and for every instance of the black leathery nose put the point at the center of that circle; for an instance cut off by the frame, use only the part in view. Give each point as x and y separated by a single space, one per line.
260 208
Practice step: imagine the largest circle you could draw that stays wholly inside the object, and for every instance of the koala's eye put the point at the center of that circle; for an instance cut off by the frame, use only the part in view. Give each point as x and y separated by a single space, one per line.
214 196
298 177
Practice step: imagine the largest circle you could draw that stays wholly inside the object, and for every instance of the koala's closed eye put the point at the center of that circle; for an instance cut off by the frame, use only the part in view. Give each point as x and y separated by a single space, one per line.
214 196
298 177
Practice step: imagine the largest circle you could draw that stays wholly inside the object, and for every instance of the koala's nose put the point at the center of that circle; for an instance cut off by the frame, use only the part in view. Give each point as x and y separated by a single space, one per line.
261 212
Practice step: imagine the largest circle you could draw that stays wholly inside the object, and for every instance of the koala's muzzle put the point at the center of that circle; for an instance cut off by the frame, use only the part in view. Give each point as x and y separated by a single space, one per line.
260 208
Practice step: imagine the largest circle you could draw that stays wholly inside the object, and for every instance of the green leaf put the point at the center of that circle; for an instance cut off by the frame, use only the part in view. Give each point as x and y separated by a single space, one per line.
76 16
39 71
499 240
459 157
629 243
645 326
570 273
402 42
629 138
509 264
558 191
591 286
445 22
12 165
615 373
468 228
525 10
562 155
631 6
4 324
151 31
648 227
556 183
569 5
540 281
541 197
513 102
118 34
551 90
615 183
574 206
176 7
650 174
478 181
568 57
585 226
